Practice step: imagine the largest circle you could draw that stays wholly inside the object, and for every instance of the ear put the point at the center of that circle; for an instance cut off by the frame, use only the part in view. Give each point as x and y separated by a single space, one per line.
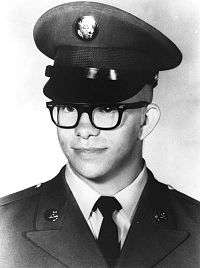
152 116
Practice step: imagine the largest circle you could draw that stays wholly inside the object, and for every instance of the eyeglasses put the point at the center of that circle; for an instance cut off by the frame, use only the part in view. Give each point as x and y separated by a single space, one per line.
102 116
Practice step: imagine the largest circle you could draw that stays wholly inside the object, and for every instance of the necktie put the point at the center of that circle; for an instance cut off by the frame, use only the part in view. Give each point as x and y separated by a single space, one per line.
108 235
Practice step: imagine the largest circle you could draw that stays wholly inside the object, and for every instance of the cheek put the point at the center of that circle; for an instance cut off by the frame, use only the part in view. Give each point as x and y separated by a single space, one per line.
65 138
129 132
125 140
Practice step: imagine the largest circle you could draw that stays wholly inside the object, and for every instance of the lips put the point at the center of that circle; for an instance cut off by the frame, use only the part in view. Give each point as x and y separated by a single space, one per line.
89 150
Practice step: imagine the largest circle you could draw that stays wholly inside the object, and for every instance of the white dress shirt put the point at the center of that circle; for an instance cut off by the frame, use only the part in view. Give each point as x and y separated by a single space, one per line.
86 197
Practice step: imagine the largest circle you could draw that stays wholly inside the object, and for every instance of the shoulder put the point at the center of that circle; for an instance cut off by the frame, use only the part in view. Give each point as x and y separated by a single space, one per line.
186 205
18 209
33 192
21 195
182 205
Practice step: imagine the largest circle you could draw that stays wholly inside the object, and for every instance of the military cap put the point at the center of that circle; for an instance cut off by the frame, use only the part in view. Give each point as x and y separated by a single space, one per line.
101 53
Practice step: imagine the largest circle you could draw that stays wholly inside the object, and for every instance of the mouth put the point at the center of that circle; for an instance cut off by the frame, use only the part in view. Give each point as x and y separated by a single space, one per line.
89 150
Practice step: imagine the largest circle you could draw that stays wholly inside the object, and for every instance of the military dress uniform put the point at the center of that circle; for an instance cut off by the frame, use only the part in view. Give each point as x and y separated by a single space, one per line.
101 55
44 227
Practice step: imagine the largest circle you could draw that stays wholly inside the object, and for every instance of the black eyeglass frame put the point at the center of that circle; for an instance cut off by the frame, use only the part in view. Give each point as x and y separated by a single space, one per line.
89 108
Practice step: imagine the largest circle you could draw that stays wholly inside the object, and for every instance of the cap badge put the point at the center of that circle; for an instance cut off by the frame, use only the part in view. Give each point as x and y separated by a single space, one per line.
86 28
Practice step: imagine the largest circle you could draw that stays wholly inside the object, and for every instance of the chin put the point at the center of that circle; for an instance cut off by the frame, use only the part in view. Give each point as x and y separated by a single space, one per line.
90 171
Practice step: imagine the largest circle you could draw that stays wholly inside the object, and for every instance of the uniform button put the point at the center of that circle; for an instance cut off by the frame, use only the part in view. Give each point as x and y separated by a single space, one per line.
170 187
38 185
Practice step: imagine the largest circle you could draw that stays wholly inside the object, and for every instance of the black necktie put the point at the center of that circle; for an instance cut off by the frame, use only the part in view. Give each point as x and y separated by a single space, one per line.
108 235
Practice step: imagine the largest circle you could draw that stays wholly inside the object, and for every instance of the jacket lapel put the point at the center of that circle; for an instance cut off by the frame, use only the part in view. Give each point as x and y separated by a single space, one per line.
153 234
61 230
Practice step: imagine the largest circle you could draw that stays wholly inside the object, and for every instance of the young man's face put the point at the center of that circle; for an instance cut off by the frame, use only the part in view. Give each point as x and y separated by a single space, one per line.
94 153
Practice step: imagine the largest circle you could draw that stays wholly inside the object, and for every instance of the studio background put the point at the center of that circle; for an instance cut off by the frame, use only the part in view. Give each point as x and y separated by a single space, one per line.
29 148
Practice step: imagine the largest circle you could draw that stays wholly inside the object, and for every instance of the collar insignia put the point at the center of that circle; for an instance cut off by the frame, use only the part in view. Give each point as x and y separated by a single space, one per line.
51 215
160 216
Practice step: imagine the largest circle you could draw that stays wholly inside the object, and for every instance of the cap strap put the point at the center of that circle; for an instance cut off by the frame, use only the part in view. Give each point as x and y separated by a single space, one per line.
57 71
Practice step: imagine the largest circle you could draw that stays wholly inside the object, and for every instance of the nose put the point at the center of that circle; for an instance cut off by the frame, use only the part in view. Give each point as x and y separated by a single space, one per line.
85 129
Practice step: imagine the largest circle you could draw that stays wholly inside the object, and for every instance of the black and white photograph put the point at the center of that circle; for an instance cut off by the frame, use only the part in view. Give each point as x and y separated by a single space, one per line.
100 134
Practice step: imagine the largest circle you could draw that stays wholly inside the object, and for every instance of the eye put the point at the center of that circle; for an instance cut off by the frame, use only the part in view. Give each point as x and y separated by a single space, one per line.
68 108
106 109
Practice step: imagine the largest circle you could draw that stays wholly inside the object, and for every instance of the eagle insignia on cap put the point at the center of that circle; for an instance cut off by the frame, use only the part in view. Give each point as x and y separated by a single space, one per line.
86 28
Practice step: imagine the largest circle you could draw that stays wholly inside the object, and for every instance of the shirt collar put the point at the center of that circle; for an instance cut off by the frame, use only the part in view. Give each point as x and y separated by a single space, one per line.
85 196
128 197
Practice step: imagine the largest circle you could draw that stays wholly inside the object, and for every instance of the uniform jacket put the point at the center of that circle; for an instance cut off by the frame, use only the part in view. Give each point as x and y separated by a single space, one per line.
44 227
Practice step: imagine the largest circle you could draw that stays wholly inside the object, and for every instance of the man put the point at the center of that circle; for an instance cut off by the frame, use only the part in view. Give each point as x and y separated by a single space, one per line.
104 208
